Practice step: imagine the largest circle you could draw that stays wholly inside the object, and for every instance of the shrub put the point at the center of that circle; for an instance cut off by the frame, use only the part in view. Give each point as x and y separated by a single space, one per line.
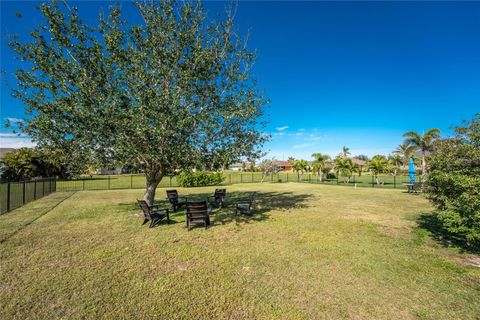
199 178
331 175
28 163
453 184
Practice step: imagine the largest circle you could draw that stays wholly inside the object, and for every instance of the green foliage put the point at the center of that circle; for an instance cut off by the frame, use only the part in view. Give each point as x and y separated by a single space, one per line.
405 151
377 166
395 162
173 92
344 167
417 142
300 166
453 184
362 157
199 178
345 152
320 164
28 163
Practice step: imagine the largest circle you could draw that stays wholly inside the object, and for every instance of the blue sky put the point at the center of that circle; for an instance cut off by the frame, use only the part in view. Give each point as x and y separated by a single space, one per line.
337 73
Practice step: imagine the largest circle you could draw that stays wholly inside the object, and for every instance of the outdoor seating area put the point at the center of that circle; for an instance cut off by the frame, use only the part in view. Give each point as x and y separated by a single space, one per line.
196 211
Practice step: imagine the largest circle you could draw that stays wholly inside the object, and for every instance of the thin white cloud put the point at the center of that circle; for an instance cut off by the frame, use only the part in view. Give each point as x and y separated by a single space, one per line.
303 145
14 120
10 140
15 135
282 128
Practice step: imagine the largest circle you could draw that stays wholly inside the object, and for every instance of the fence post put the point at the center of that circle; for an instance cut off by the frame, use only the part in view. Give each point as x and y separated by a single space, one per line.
252 177
241 178
83 183
373 185
170 181
131 182
229 178
394 182
109 182
55 183
23 198
8 196
43 187
35 190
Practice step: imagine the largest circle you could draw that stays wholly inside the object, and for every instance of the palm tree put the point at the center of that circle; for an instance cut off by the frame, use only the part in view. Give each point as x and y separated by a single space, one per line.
422 143
405 151
299 166
377 166
345 152
396 161
344 167
320 163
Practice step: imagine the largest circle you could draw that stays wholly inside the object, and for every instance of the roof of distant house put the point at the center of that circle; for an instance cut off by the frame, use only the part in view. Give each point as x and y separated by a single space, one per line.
4 151
359 162
282 163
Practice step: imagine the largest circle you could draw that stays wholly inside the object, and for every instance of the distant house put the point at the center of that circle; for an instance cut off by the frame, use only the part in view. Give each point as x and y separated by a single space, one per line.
283 165
107 171
4 151
237 166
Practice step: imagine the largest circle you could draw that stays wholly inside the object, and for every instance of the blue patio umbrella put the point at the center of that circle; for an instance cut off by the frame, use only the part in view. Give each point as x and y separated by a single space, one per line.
411 170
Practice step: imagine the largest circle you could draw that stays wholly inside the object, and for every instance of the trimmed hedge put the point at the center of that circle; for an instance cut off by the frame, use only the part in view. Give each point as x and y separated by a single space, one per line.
200 178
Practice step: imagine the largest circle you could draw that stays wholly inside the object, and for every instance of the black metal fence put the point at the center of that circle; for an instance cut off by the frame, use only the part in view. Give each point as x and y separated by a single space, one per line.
15 194
138 181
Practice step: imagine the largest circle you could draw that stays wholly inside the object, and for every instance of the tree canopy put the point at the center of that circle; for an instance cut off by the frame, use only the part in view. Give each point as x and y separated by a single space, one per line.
172 92
453 184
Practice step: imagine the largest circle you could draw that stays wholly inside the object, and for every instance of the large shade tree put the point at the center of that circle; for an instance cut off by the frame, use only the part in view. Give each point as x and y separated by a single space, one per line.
170 92
423 143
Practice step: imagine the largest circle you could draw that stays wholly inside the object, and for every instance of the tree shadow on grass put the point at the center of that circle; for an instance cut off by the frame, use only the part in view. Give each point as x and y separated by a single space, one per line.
265 202
428 221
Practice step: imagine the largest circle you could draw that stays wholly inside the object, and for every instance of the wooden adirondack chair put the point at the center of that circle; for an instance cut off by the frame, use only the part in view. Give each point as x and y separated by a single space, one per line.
153 213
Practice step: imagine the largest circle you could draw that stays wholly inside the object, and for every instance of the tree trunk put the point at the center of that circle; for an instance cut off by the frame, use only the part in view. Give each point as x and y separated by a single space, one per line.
424 165
320 174
154 175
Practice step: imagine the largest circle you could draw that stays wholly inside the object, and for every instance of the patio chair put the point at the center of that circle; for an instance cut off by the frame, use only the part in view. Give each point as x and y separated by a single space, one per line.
153 213
218 198
198 213
173 198
246 205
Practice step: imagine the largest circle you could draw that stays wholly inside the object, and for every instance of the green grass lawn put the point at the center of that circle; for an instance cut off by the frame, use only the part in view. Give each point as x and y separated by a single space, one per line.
136 181
310 252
